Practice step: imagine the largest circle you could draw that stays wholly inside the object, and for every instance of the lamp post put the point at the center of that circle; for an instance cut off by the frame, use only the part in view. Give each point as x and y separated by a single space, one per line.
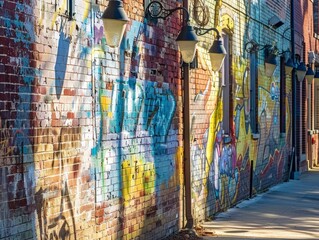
187 40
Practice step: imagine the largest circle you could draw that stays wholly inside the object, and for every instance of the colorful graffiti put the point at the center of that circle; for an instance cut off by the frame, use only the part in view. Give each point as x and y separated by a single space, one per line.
222 170
135 118
134 150
91 136
18 177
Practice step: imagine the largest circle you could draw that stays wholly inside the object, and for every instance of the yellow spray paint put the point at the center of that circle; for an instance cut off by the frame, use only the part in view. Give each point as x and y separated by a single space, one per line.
105 103
138 178
61 12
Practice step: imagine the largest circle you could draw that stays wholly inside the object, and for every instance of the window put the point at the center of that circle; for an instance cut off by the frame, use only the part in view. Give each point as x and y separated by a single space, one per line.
304 116
227 86
316 17
254 92
316 113
309 107
283 76
71 9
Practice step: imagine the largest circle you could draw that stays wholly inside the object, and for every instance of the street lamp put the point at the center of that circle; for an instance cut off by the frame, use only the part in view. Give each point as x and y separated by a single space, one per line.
270 63
217 51
289 66
309 74
301 71
299 67
187 39
114 21
270 53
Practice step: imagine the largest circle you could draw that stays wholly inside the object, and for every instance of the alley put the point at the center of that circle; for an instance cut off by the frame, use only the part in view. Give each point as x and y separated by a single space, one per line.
287 211
134 120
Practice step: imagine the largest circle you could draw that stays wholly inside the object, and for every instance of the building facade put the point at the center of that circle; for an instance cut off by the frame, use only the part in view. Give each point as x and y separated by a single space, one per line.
92 138
306 45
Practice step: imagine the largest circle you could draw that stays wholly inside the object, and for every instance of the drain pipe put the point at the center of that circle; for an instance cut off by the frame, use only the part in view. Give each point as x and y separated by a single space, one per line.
187 144
187 150
293 80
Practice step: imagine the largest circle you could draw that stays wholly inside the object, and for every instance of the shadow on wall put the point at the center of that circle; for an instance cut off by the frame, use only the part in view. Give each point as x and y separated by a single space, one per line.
61 61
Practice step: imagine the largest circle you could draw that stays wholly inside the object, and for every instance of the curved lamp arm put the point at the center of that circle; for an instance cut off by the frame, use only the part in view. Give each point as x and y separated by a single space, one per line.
253 46
299 33
156 10
203 31
186 39
270 52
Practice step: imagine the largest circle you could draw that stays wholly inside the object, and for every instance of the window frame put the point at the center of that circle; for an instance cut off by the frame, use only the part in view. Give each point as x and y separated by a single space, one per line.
71 9
283 76
316 18
226 85
253 65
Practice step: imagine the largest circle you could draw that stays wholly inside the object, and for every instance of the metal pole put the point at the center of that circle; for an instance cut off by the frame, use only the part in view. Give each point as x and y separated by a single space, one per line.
187 144
293 80
187 148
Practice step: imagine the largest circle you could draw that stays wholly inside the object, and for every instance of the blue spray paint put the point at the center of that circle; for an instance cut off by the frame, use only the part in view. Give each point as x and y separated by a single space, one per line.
61 62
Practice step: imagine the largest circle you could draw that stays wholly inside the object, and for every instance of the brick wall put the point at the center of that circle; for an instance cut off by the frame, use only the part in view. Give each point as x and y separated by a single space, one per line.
304 24
222 171
91 142
90 135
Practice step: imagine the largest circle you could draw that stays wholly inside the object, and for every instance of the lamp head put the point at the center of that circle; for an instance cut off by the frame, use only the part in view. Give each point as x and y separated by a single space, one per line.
301 71
114 21
186 41
270 65
217 54
289 66
309 74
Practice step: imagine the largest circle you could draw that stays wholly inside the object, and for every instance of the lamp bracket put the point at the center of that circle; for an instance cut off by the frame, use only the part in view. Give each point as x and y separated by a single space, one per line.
253 46
203 31
156 10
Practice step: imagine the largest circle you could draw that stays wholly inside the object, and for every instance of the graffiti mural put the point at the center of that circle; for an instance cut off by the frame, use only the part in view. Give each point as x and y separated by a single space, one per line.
135 118
221 171
91 137
18 177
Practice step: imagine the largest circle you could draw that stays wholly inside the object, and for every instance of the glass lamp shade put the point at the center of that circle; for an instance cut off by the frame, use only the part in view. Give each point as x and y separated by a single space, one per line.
187 41
288 70
188 49
309 74
301 71
289 66
217 55
270 65
114 21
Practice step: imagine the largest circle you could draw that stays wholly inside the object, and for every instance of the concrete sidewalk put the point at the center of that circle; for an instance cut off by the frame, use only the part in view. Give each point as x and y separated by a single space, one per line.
287 211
